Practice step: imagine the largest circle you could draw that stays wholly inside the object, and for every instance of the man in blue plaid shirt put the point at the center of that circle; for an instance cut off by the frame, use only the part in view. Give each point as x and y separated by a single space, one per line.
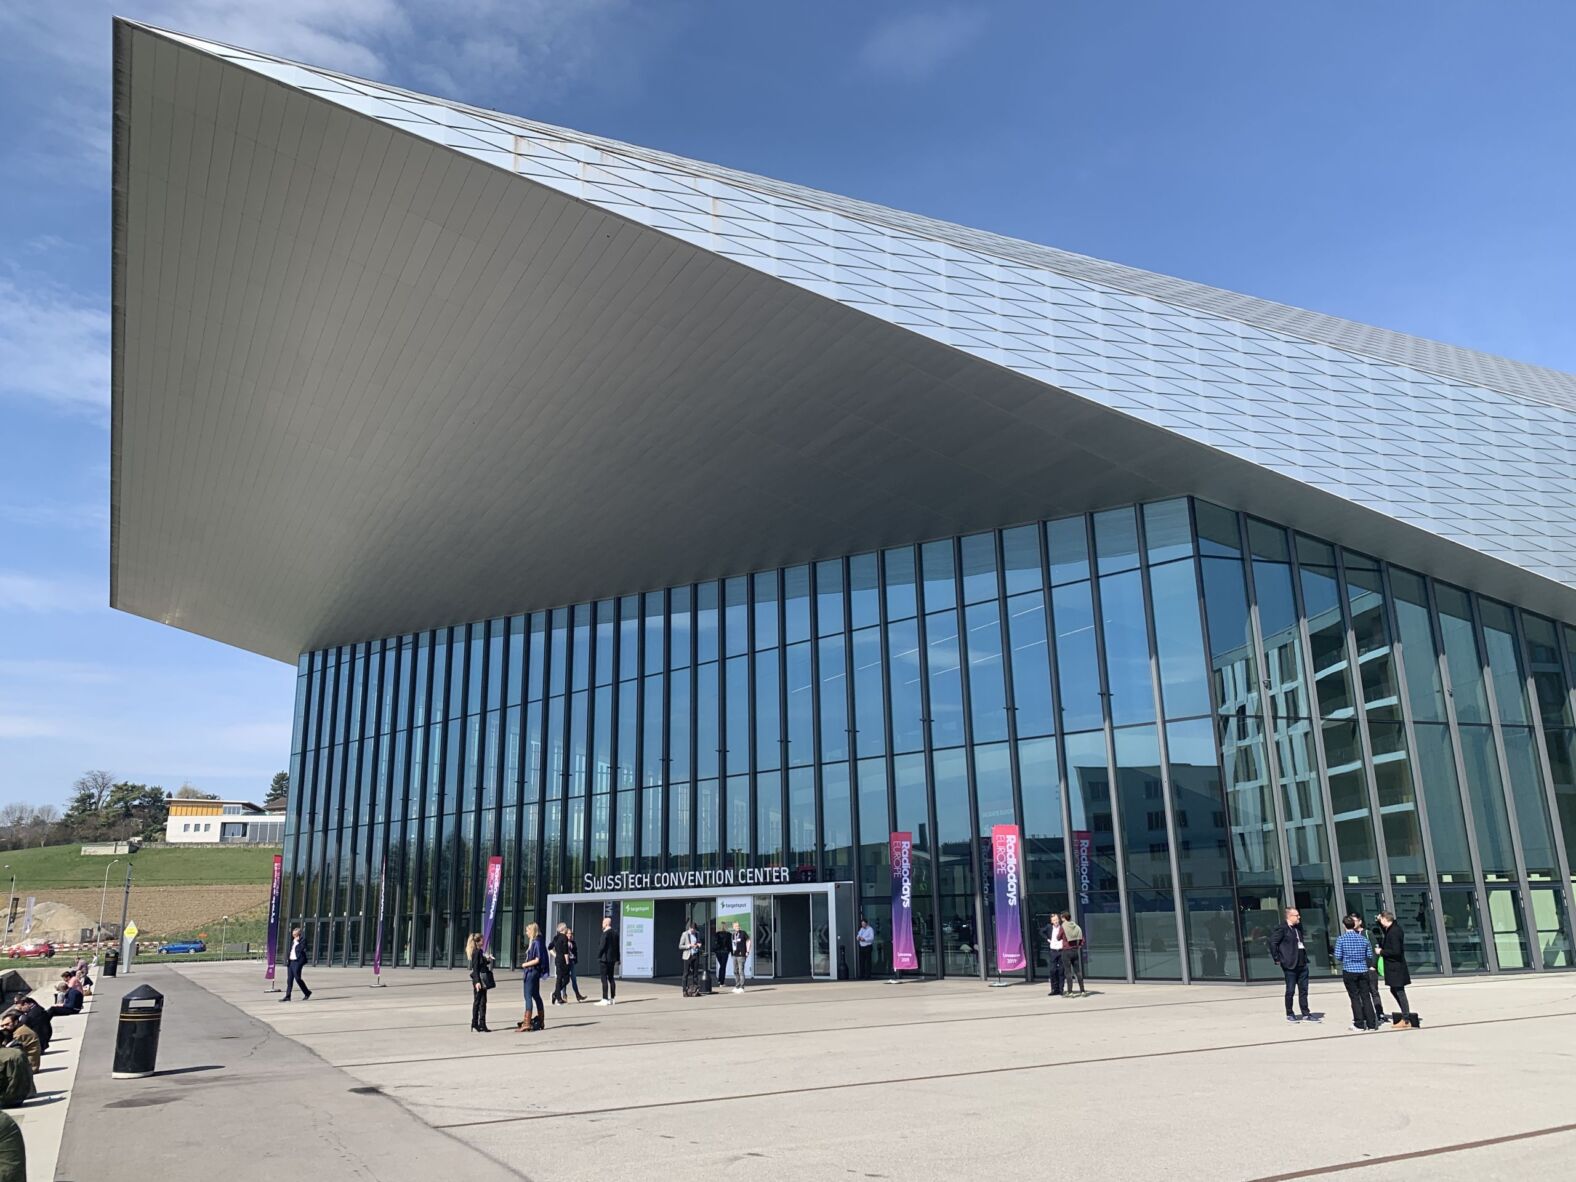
1354 953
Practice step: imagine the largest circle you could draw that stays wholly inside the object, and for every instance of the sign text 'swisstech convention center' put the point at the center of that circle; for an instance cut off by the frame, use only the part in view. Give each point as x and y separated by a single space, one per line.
664 530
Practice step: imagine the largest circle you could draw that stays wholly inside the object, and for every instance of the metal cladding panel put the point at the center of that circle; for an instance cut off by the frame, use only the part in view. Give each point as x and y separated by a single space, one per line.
385 362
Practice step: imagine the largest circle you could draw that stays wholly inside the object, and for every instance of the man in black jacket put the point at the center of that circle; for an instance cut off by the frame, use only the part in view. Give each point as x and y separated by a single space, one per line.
1291 954
721 948
559 947
36 1018
608 957
294 960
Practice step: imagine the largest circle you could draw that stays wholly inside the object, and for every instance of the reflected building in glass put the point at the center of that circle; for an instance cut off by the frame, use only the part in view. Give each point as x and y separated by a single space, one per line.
639 521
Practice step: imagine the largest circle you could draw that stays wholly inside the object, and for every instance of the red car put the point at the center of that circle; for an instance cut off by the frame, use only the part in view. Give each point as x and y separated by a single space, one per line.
31 948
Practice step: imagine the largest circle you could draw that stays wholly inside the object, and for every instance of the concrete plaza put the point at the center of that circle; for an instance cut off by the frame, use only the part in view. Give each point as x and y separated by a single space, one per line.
816 1081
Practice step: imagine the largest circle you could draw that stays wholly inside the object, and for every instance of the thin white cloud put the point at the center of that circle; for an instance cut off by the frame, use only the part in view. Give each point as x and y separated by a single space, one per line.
20 726
29 593
36 673
54 346
56 515
914 45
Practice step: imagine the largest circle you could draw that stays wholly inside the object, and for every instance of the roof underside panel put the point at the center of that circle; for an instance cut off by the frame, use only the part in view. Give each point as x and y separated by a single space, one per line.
384 362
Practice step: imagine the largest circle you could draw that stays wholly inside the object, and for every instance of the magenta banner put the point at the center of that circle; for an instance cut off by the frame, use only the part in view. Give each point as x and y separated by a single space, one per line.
377 935
902 851
1006 847
490 899
273 915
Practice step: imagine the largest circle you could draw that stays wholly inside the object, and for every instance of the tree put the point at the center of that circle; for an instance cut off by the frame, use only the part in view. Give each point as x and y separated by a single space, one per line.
278 789
136 810
94 786
192 792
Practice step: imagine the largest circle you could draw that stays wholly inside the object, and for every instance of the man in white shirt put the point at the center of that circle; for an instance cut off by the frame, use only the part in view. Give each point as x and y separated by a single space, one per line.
866 939
1056 938
294 960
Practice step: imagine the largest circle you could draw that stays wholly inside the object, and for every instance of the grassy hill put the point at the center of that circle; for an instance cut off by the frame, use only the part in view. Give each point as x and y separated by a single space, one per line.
59 867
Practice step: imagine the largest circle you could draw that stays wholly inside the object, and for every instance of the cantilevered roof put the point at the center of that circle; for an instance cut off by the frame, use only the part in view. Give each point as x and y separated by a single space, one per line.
385 362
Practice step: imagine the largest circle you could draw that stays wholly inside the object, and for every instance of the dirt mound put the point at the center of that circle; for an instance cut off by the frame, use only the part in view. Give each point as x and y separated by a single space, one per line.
158 910
55 922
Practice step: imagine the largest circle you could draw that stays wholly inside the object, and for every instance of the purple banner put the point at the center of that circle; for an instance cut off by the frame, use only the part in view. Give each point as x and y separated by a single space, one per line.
1006 848
273 916
490 899
377 936
902 850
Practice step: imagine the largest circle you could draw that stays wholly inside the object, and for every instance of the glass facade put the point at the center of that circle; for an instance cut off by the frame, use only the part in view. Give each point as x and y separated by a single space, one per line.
1196 716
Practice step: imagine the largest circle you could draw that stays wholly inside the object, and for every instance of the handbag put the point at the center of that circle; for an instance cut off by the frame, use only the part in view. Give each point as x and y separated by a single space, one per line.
488 980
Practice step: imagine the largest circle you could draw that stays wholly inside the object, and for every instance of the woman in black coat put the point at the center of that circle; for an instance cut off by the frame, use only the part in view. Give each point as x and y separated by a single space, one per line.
1392 946
481 964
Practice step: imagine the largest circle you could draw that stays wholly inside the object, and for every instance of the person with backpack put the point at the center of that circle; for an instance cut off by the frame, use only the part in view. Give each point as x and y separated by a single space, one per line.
1072 955
535 964
481 981
739 949
690 952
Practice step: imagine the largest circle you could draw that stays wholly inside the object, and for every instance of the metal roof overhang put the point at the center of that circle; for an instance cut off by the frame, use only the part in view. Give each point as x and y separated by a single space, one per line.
364 384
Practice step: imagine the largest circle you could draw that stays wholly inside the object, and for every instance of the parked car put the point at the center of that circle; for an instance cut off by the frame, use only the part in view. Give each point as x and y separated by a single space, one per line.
184 946
31 948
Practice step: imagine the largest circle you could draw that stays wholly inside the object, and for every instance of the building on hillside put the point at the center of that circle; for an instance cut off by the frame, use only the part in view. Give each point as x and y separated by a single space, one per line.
679 536
221 822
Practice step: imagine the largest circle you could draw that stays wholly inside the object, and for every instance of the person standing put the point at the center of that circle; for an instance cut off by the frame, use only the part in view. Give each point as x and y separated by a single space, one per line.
690 953
1072 956
607 958
573 963
481 981
1371 976
560 949
739 947
294 959
1289 952
535 964
866 939
721 948
1392 949
1354 953
1056 941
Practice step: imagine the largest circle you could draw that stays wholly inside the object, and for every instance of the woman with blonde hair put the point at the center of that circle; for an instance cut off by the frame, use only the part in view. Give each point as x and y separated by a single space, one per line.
481 981
535 964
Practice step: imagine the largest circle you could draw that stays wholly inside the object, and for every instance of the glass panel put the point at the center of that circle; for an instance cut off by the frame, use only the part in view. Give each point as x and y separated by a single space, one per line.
1532 813
828 597
941 588
1553 934
1463 929
864 599
1179 639
1249 805
1031 667
800 705
736 616
1510 935
913 817
960 938
1302 800
979 568
1424 688
708 623
1167 532
1461 654
869 700
1068 549
1232 658
1077 664
987 684
901 598
1561 746
1151 904
1131 691
1044 847
1441 795
681 623
833 698
1415 914
769 819
837 823
768 725
1217 532
737 706
1203 835
1548 676
765 612
1020 548
908 727
1214 953
707 741
1095 876
796 604
946 683
801 821
1504 662
1116 540
1485 794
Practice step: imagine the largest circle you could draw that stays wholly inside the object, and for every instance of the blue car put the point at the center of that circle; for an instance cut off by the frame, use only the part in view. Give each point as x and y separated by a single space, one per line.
185 946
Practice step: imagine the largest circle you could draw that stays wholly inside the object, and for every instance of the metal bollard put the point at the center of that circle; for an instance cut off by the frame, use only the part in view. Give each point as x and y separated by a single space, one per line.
137 1038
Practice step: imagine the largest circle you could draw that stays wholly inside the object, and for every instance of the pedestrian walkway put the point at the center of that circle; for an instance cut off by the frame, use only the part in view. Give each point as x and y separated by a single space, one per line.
949 1079
43 1118
234 1099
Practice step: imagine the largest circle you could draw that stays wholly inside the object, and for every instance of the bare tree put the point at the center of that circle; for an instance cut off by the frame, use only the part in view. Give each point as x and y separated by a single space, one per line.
190 791
96 784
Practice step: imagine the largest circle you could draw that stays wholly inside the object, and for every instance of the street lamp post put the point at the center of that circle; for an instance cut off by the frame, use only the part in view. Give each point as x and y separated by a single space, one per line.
104 890
125 907
10 904
224 934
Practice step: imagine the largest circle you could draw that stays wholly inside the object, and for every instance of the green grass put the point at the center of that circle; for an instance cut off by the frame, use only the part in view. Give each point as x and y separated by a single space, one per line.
61 866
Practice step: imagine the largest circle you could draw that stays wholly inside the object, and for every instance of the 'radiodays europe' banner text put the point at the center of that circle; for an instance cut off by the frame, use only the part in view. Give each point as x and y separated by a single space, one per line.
903 956
1006 860
490 903
273 915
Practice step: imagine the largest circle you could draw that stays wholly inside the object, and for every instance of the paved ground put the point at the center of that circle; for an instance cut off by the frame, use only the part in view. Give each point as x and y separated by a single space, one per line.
43 1118
822 1081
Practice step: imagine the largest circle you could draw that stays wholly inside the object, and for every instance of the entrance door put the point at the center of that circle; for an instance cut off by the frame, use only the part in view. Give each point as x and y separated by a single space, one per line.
765 937
820 937
795 934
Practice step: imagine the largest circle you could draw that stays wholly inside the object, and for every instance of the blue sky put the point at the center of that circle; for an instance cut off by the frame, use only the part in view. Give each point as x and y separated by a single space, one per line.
1407 163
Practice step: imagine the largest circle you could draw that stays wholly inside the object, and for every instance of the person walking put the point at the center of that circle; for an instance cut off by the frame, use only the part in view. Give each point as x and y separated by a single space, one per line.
1289 952
721 948
1056 941
739 947
558 947
573 963
535 964
607 956
690 953
865 938
481 981
1072 956
1354 953
1392 951
294 959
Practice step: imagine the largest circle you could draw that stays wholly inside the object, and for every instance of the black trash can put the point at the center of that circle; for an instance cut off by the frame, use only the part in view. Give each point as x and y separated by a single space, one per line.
112 963
137 1038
